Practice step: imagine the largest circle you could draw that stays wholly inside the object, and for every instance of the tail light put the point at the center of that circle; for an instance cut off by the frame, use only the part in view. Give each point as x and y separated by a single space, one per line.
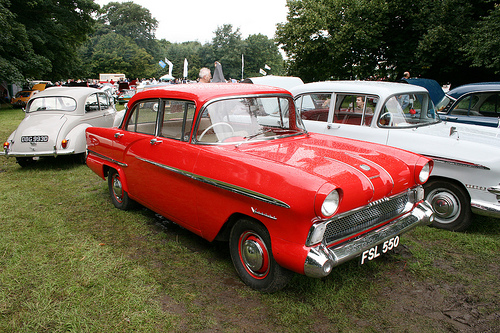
64 143
6 145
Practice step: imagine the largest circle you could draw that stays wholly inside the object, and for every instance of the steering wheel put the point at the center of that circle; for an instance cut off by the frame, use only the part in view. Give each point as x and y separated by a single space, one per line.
387 117
213 125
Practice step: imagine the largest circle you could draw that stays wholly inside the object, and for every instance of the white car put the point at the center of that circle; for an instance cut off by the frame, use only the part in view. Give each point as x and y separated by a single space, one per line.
466 174
55 123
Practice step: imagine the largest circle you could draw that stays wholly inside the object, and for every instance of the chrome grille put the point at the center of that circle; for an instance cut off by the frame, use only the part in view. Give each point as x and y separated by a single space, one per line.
365 218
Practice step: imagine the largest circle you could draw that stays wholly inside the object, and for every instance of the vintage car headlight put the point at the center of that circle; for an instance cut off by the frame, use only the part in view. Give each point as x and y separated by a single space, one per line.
330 204
424 173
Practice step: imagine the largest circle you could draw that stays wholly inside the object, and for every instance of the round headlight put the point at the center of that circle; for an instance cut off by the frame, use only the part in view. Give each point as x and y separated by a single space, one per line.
424 173
331 203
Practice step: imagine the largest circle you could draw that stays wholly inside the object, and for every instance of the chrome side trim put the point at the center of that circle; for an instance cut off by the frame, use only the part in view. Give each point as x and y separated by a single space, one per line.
107 158
222 185
320 258
457 162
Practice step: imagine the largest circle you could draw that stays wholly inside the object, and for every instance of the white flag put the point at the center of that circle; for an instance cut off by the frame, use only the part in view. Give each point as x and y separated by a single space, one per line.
267 67
185 68
263 72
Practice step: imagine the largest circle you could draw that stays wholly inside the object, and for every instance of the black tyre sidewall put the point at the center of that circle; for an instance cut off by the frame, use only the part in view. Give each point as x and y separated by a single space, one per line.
464 220
277 277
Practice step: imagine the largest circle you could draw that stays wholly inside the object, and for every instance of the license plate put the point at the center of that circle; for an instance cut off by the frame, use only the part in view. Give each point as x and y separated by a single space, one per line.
35 138
379 249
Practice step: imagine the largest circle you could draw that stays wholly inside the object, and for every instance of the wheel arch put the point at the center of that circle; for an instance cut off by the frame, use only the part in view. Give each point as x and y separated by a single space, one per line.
450 180
225 230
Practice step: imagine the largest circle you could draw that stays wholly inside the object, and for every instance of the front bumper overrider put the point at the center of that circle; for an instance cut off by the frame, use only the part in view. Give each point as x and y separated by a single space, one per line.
320 259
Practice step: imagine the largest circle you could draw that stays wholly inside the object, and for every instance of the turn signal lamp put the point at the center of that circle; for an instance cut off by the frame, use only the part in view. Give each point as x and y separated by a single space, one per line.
64 143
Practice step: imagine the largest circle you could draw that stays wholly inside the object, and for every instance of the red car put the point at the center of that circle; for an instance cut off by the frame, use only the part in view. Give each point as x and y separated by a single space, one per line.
233 162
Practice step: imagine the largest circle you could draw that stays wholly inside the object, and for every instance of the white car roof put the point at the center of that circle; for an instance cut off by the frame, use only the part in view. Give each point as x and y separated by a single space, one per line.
74 92
380 88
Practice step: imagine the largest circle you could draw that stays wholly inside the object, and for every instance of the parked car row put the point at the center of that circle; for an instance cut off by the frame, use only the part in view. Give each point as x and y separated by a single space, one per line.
466 173
297 180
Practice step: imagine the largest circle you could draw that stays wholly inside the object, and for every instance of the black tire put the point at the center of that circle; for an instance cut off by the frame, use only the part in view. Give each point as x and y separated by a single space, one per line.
251 253
25 161
119 197
80 158
451 205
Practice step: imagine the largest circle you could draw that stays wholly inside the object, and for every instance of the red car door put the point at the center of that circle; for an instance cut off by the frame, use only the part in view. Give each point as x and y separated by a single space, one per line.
158 159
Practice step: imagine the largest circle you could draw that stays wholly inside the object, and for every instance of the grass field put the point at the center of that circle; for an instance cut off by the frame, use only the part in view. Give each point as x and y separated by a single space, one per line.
70 261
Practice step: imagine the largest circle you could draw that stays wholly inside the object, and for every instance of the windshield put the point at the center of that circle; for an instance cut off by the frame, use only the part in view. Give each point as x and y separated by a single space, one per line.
245 119
444 104
408 110
52 103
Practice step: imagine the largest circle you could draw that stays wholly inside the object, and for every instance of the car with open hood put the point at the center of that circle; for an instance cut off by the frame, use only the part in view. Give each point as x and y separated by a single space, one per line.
466 173
55 123
232 162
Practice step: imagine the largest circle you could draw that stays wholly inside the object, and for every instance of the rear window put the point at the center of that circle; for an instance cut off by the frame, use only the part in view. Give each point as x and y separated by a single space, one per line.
51 103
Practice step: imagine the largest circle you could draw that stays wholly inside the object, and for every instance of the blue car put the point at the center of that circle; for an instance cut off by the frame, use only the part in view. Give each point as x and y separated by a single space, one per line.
475 103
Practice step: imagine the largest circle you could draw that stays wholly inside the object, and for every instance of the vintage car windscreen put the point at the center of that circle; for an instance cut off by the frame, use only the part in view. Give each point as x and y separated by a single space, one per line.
244 119
52 103
408 110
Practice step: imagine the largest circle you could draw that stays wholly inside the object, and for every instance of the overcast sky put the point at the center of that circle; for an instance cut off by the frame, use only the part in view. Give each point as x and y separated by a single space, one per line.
196 20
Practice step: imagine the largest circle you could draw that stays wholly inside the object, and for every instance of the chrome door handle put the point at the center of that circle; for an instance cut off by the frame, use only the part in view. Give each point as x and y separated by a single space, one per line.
118 135
155 141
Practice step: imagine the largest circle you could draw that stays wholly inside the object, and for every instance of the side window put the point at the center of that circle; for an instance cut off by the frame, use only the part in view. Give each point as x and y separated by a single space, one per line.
143 117
104 101
489 107
91 104
354 109
177 119
314 106
463 106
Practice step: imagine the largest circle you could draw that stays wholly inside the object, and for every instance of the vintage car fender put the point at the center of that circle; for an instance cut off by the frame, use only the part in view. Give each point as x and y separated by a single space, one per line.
76 139
102 165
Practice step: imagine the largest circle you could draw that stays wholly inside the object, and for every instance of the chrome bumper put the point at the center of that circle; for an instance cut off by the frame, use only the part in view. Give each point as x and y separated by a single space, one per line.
485 208
321 259
39 153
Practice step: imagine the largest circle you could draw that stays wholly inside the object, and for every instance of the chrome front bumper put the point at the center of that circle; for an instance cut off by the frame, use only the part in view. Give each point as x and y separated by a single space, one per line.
321 259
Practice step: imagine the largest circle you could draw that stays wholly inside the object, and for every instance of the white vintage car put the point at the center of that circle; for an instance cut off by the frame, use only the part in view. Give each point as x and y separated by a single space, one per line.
55 123
466 174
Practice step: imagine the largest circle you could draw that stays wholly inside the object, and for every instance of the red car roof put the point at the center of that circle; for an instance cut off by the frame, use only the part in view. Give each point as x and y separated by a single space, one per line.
203 92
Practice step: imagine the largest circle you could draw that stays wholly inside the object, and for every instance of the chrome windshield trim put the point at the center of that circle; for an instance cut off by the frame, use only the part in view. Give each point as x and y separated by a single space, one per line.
107 158
220 184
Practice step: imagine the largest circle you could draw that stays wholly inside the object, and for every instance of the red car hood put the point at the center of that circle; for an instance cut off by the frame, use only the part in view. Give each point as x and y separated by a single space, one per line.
371 171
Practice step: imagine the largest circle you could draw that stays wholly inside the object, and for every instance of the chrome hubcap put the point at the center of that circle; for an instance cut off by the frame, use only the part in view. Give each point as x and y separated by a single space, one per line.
117 188
254 254
446 206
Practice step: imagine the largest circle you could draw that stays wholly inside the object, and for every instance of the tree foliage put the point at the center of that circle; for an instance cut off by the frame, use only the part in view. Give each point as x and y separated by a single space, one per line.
40 38
358 39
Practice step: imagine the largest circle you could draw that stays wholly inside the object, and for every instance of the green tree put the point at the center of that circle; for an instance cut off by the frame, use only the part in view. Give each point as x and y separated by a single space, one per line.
40 38
260 51
482 48
357 39
113 53
226 48
133 21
